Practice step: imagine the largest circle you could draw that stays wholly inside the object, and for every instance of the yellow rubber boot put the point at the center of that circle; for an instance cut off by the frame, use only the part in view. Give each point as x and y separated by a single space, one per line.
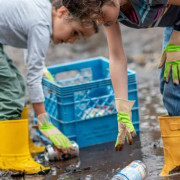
33 148
14 148
170 133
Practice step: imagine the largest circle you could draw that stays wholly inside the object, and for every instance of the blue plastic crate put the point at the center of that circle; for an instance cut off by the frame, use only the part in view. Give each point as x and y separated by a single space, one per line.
82 105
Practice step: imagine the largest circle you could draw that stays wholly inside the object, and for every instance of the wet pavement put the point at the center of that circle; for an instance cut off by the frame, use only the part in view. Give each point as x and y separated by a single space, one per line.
101 162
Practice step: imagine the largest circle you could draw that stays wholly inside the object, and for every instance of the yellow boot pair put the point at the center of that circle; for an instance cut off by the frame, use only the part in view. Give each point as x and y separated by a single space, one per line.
170 133
15 149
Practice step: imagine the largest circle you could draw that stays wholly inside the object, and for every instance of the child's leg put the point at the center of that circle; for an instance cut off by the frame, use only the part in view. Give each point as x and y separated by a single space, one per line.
170 92
169 125
12 89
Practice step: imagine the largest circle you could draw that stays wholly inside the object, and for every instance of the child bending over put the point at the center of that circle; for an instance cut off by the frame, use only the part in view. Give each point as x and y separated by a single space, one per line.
141 14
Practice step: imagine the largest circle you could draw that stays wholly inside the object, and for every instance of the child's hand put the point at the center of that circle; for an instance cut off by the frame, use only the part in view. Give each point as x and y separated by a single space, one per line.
52 133
126 129
125 126
171 58
48 75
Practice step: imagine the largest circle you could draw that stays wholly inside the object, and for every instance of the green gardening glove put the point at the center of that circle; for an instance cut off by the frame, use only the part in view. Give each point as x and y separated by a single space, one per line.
48 75
59 140
125 126
171 58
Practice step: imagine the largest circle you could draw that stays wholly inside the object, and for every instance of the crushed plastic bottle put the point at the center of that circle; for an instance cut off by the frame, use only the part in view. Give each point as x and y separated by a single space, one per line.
136 170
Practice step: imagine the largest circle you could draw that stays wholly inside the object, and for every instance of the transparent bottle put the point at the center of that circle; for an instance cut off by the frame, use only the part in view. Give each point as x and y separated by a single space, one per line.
136 170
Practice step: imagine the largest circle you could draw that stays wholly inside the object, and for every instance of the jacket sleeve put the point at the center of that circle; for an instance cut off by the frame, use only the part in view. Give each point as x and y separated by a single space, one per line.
38 43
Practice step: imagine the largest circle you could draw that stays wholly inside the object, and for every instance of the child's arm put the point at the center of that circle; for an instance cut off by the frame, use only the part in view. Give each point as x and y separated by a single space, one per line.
118 61
38 42
39 108
118 71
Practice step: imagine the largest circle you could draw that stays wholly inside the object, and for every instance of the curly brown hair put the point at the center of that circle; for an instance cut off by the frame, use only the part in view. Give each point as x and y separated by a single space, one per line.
59 3
86 9
74 15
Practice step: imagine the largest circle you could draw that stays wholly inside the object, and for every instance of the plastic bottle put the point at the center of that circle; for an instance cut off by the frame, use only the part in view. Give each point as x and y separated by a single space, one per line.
136 170
53 154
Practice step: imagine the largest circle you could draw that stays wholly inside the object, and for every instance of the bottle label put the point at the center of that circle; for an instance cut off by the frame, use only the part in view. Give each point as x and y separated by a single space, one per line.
134 171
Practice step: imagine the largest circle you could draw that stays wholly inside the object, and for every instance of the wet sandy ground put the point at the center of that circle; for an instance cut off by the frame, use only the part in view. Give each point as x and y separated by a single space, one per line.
101 162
